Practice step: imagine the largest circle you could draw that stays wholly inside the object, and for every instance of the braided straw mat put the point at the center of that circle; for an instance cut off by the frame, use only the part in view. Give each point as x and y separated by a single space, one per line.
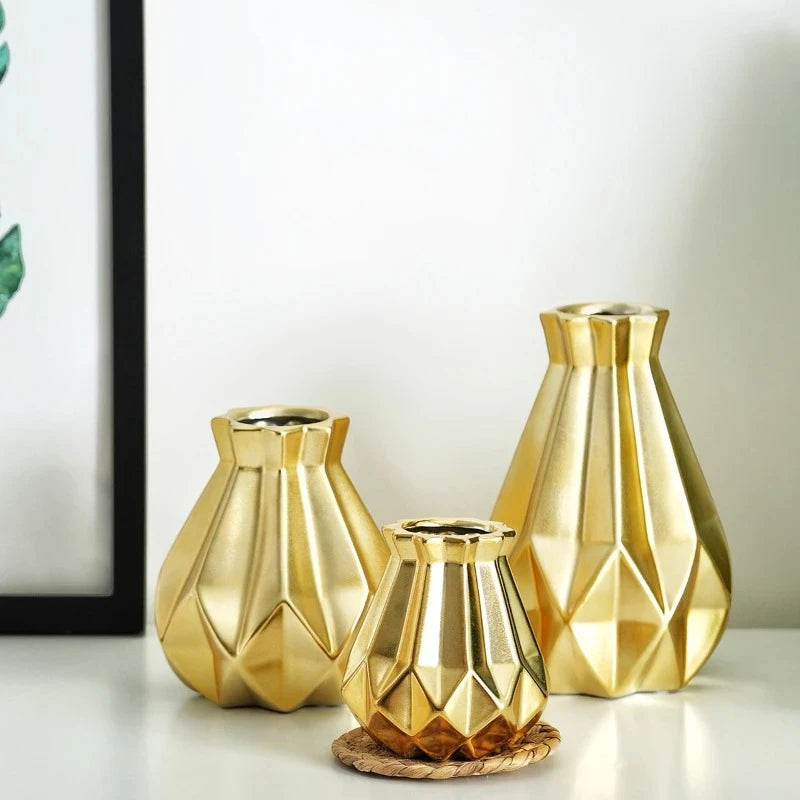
358 749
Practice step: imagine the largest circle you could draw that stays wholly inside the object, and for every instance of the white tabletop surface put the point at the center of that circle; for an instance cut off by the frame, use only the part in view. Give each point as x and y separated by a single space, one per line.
104 718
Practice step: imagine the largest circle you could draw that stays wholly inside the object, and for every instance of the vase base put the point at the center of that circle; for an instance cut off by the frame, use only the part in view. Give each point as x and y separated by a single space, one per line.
616 696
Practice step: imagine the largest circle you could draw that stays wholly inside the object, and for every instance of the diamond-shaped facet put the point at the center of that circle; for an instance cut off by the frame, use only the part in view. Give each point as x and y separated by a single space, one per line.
284 661
407 704
439 739
493 737
469 706
389 735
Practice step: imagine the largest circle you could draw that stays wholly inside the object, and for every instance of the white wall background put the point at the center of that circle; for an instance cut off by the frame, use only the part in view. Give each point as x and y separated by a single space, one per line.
364 205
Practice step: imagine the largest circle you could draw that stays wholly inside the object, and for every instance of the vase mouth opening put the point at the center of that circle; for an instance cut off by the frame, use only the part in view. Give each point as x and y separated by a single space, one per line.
281 416
611 309
439 526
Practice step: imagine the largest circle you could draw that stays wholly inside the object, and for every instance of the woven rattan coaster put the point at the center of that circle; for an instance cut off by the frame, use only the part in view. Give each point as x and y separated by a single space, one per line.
357 749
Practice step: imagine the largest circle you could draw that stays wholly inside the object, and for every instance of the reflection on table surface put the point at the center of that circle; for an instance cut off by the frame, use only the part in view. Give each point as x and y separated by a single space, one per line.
106 718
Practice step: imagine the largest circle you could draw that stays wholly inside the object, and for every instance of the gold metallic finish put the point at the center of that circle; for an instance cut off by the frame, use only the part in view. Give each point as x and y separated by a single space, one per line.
622 561
445 663
259 597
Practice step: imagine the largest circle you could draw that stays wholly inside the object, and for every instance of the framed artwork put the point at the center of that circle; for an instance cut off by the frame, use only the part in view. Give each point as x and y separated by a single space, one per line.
72 434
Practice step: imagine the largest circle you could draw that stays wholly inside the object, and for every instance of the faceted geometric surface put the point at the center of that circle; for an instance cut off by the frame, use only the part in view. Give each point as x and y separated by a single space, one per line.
622 561
445 663
261 592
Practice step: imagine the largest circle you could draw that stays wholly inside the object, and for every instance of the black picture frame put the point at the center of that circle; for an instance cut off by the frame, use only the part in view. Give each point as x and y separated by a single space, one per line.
122 611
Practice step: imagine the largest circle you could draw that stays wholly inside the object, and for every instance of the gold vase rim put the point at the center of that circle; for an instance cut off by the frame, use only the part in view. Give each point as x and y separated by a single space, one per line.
280 418
609 310
450 529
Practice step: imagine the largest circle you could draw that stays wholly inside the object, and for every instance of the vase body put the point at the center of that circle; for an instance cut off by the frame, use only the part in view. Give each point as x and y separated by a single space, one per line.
261 592
622 561
445 663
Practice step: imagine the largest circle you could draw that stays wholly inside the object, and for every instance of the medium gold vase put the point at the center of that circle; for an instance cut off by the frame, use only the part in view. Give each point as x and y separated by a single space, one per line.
261 592
445 663
622 563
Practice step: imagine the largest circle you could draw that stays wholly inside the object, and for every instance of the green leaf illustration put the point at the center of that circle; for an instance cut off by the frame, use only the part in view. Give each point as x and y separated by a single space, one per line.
11 267
4 53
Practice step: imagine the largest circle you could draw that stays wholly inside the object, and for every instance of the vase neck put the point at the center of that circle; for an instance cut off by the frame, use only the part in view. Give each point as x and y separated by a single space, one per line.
280 437
603 334
450 541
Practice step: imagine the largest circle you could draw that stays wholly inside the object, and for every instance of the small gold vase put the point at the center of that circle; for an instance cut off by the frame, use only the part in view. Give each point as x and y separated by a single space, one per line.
445 663
263 588
622 563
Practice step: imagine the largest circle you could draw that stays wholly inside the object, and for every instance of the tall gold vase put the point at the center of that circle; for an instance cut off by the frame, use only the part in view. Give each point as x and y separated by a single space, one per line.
445 663
623 563
263 588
